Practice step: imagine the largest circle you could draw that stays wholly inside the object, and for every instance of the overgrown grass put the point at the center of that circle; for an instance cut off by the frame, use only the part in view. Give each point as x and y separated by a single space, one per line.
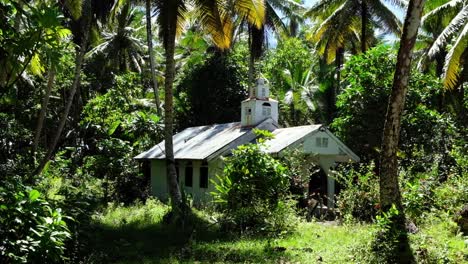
137 234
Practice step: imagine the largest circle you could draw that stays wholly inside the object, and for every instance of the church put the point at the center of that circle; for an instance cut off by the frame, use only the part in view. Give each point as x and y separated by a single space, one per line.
198 150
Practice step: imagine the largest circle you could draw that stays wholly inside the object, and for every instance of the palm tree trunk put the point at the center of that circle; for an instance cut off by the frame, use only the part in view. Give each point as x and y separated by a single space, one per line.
76 82
363 25
174 191
45 102
149 37
336 90
389 188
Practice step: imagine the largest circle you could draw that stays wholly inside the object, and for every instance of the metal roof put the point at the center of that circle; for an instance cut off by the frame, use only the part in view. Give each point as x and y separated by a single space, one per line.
208 142
198 142
284 137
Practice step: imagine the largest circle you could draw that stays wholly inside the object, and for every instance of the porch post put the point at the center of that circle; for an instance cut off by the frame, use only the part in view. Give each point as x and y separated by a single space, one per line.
326 163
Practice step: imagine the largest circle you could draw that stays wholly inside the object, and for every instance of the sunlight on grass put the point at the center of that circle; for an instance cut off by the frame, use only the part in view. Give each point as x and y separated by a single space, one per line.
439 241
136 234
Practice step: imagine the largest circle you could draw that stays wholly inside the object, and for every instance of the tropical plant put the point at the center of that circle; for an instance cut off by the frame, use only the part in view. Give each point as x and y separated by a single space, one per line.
149 40
121 47
362 105
82 13
343 23
253 188
274 22
292 68
453 39
349 25
210 93
32 230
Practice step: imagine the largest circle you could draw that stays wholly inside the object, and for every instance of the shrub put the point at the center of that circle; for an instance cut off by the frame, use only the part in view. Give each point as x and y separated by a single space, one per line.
359 198
253 191
32 230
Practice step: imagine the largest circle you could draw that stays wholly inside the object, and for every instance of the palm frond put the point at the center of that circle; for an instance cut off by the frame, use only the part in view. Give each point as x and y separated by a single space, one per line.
452 61
252 10
274 20
216 21
323 8
171 16
452 28
385 17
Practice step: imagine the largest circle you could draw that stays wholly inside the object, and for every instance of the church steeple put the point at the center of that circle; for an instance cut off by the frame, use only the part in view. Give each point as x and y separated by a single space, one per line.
258 106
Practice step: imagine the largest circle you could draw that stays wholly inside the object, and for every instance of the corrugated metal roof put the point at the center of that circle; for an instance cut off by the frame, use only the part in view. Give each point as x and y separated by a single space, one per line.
208 142
284 137
198 142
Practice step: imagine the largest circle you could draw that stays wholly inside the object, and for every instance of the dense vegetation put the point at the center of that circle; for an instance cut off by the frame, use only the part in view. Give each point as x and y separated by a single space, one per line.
85 86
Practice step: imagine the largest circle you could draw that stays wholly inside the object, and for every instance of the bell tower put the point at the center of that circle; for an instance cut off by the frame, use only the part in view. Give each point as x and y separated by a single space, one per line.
258 106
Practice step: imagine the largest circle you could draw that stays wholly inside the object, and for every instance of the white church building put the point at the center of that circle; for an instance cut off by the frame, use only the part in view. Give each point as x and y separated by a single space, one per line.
198 150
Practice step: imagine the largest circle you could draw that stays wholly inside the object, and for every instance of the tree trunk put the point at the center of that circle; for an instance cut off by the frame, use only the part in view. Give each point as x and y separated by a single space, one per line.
42 114
76 82
174 191
337 87
149 38
363 25
389 188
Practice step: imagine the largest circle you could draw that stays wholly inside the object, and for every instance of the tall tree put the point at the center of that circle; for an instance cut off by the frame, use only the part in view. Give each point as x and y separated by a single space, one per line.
171 16
84 14
349 25
121 47
273 21
389 189
149 39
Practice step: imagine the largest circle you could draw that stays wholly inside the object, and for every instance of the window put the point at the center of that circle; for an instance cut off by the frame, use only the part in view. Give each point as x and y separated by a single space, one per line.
266 109
204 177
263 92
325 142
318 142
189 176
321 142
248 111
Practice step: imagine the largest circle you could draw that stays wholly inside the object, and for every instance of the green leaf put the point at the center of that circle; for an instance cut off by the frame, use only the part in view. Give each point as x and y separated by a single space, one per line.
155 118
113 127
33 195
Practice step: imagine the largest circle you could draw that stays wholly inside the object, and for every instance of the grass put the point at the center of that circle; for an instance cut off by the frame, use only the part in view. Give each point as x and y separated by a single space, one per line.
136 234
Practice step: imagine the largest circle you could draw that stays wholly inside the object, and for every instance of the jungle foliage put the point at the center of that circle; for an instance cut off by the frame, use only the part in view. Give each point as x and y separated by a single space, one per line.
78 71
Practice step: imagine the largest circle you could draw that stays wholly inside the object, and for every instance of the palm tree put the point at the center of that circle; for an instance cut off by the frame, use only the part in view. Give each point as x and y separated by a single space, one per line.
217 22
453 17
352 20
120 46
149 39
389 188
273 21
343 25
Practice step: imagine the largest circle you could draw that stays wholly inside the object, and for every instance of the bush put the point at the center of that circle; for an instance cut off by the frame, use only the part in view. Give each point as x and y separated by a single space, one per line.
359 199
362 106
253 191
32 230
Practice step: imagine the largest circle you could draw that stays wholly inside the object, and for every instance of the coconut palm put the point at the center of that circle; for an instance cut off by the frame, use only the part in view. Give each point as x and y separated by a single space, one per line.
149 39
273 21
390 195
120 45
342 21
217 22
453 16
